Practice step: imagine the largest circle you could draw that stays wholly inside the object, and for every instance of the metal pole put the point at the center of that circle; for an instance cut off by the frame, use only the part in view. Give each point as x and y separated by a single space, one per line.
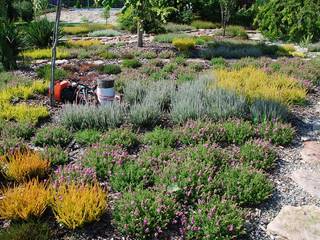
54 50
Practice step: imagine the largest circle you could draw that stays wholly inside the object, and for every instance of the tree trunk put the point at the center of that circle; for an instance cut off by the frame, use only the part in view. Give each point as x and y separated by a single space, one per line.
140 34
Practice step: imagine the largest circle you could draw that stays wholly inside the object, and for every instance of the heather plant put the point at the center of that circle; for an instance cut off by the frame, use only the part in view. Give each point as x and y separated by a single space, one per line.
131 175
236 31
24 201
77 117
199 24
243 185
87 137
174 27
218 62
45 53
184 44
168 37
105 33
134 92
161 93
52 136
276 132
123 137
216 219
167 54
22 165
267 110
33 230
83 43
17 130
144 214
73 173
258 154
148 54
56 155
110 69
45 73
131 63
160 137
75 205
238 131
102 158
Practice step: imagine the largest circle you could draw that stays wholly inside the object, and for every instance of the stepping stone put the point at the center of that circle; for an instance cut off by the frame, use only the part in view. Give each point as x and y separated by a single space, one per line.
308 180
296 223
311 152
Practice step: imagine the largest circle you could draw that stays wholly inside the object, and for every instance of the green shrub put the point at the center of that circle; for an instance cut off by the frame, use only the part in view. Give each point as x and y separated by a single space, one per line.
216 219
87 137
77 117
247 187
174 27
131 63
56 155
199 24
276 132
45 73
167 54
108 55
160 137
294 22
134 92
131 175
52 136
22 131
102 158
267 110
39 33
110 69
238 131
314 47
148 54
27 231
46 53
236 31
258 154
105 33
184 44
123 137
218 62
168 37
144 214
24 10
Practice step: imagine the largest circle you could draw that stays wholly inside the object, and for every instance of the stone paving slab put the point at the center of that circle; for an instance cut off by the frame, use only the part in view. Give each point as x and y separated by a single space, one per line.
309 180
311 152
296 223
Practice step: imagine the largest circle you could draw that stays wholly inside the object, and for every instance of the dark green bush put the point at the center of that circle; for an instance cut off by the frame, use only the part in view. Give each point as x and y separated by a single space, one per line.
247 187
131 63
24 10
52 136
144 214
27 231
238 131
56 155
110 69
131 175
218 62
276 132
45 73
160 137
216 219
258 154
199 24
123 137
87 137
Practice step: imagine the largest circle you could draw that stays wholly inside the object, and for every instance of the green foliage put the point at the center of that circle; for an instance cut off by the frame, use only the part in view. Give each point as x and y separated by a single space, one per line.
247 187
160 137
77 117
123 137
167 54
218 62
258 154
87 137
45 73
276 132
199 24
110 69
17 130
294 21
27 231
24 10
238 131
131 63
236 31
168 37
56 155
52 136
174 27
39 33
134 92
105 33
39 6
267 110
10 42
143 214
216 219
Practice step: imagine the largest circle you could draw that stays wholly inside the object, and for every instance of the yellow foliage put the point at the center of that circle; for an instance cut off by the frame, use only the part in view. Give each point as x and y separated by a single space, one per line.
23 165
24 201
254 83
184 44
75 205
86 28
288 47
83 43
45 53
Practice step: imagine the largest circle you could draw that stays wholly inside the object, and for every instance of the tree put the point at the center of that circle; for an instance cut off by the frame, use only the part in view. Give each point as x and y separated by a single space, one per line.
226 8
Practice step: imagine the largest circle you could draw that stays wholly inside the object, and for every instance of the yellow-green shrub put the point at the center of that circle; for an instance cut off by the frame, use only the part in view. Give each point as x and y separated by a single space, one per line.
255 84
290 49
45 53
24 201
75 205
184 44
83 43
86 28
23 165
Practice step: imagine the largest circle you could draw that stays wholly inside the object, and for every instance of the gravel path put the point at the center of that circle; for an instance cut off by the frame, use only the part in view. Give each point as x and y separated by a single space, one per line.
287 191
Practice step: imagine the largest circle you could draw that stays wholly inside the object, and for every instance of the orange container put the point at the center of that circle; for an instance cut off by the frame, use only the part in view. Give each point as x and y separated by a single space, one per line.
58 88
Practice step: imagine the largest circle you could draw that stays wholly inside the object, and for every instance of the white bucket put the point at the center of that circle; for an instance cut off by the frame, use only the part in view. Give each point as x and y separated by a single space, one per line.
105 91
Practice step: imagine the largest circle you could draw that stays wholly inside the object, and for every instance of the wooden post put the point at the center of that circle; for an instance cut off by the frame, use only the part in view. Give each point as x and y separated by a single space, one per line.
54 51
140 33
